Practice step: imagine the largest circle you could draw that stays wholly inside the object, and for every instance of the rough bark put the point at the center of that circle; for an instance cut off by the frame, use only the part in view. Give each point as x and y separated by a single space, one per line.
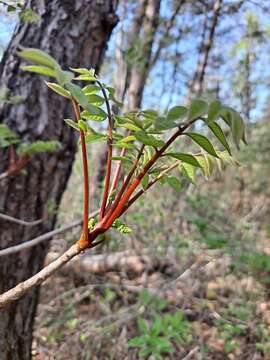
75 33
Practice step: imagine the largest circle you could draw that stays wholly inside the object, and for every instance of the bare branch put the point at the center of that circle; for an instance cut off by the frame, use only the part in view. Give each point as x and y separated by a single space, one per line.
19 221
18 291
28 244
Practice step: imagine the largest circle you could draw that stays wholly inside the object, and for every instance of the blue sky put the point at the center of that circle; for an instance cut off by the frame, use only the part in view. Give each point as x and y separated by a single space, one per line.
158 92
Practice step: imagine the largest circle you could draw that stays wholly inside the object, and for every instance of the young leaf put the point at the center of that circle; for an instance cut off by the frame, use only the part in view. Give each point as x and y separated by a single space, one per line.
82 99
95 99
177 112
82 125
63 77
148 139
197 109
91 89
72 123
174 182
218 132
92 138
38 57
162 123
83 71
203 142
101 116
145 181
186 158
38 147
214 111
58 89
188 170
120 158
38 69
238 128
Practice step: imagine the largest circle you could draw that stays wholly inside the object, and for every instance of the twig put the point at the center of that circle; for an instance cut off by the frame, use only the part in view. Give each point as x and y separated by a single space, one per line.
19 221
28 244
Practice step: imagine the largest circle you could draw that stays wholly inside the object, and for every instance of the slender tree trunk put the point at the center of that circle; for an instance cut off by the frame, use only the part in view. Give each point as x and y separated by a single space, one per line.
206 46
140 70
75 33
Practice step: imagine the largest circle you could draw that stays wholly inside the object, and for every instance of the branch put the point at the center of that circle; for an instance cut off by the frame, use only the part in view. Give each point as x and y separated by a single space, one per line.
84 238
15 167
30 243
19 221
18 291
109 154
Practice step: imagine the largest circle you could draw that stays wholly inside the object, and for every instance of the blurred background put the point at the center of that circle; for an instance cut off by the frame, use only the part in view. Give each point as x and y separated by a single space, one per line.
192 279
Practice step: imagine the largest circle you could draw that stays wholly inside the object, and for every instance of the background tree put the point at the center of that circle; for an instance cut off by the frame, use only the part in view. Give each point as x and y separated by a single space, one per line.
76 33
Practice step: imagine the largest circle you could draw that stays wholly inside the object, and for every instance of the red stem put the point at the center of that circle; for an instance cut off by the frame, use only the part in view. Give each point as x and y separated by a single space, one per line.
84 238
109 154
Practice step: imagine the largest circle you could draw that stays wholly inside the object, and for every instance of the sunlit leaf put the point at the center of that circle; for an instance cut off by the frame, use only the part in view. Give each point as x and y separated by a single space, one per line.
188 170
38 69
58 89
38 57
101 116
82 99
72 123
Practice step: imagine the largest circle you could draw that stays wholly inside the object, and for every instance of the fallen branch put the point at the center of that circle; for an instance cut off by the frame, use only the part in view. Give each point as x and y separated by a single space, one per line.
124 261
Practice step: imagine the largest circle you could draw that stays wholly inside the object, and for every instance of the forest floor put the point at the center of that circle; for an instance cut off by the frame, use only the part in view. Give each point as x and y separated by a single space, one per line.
204 305
191 282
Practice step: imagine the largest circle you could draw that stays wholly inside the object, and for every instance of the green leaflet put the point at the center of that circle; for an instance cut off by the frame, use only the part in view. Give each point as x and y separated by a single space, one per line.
188 170
120 158
148 139
203 142
91 89
92 138
174 182
72 123
58 89
207 164
214 111
186 158
82 99
197 109
218 132
95 99
177 112
145 181
38 69
163 123
101 116
235 122
83 71
38 57
38 147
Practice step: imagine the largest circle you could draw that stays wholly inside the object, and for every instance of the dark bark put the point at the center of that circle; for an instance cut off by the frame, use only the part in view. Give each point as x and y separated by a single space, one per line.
75 33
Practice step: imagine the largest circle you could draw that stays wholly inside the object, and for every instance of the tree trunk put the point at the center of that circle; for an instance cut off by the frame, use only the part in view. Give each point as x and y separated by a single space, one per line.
75 33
